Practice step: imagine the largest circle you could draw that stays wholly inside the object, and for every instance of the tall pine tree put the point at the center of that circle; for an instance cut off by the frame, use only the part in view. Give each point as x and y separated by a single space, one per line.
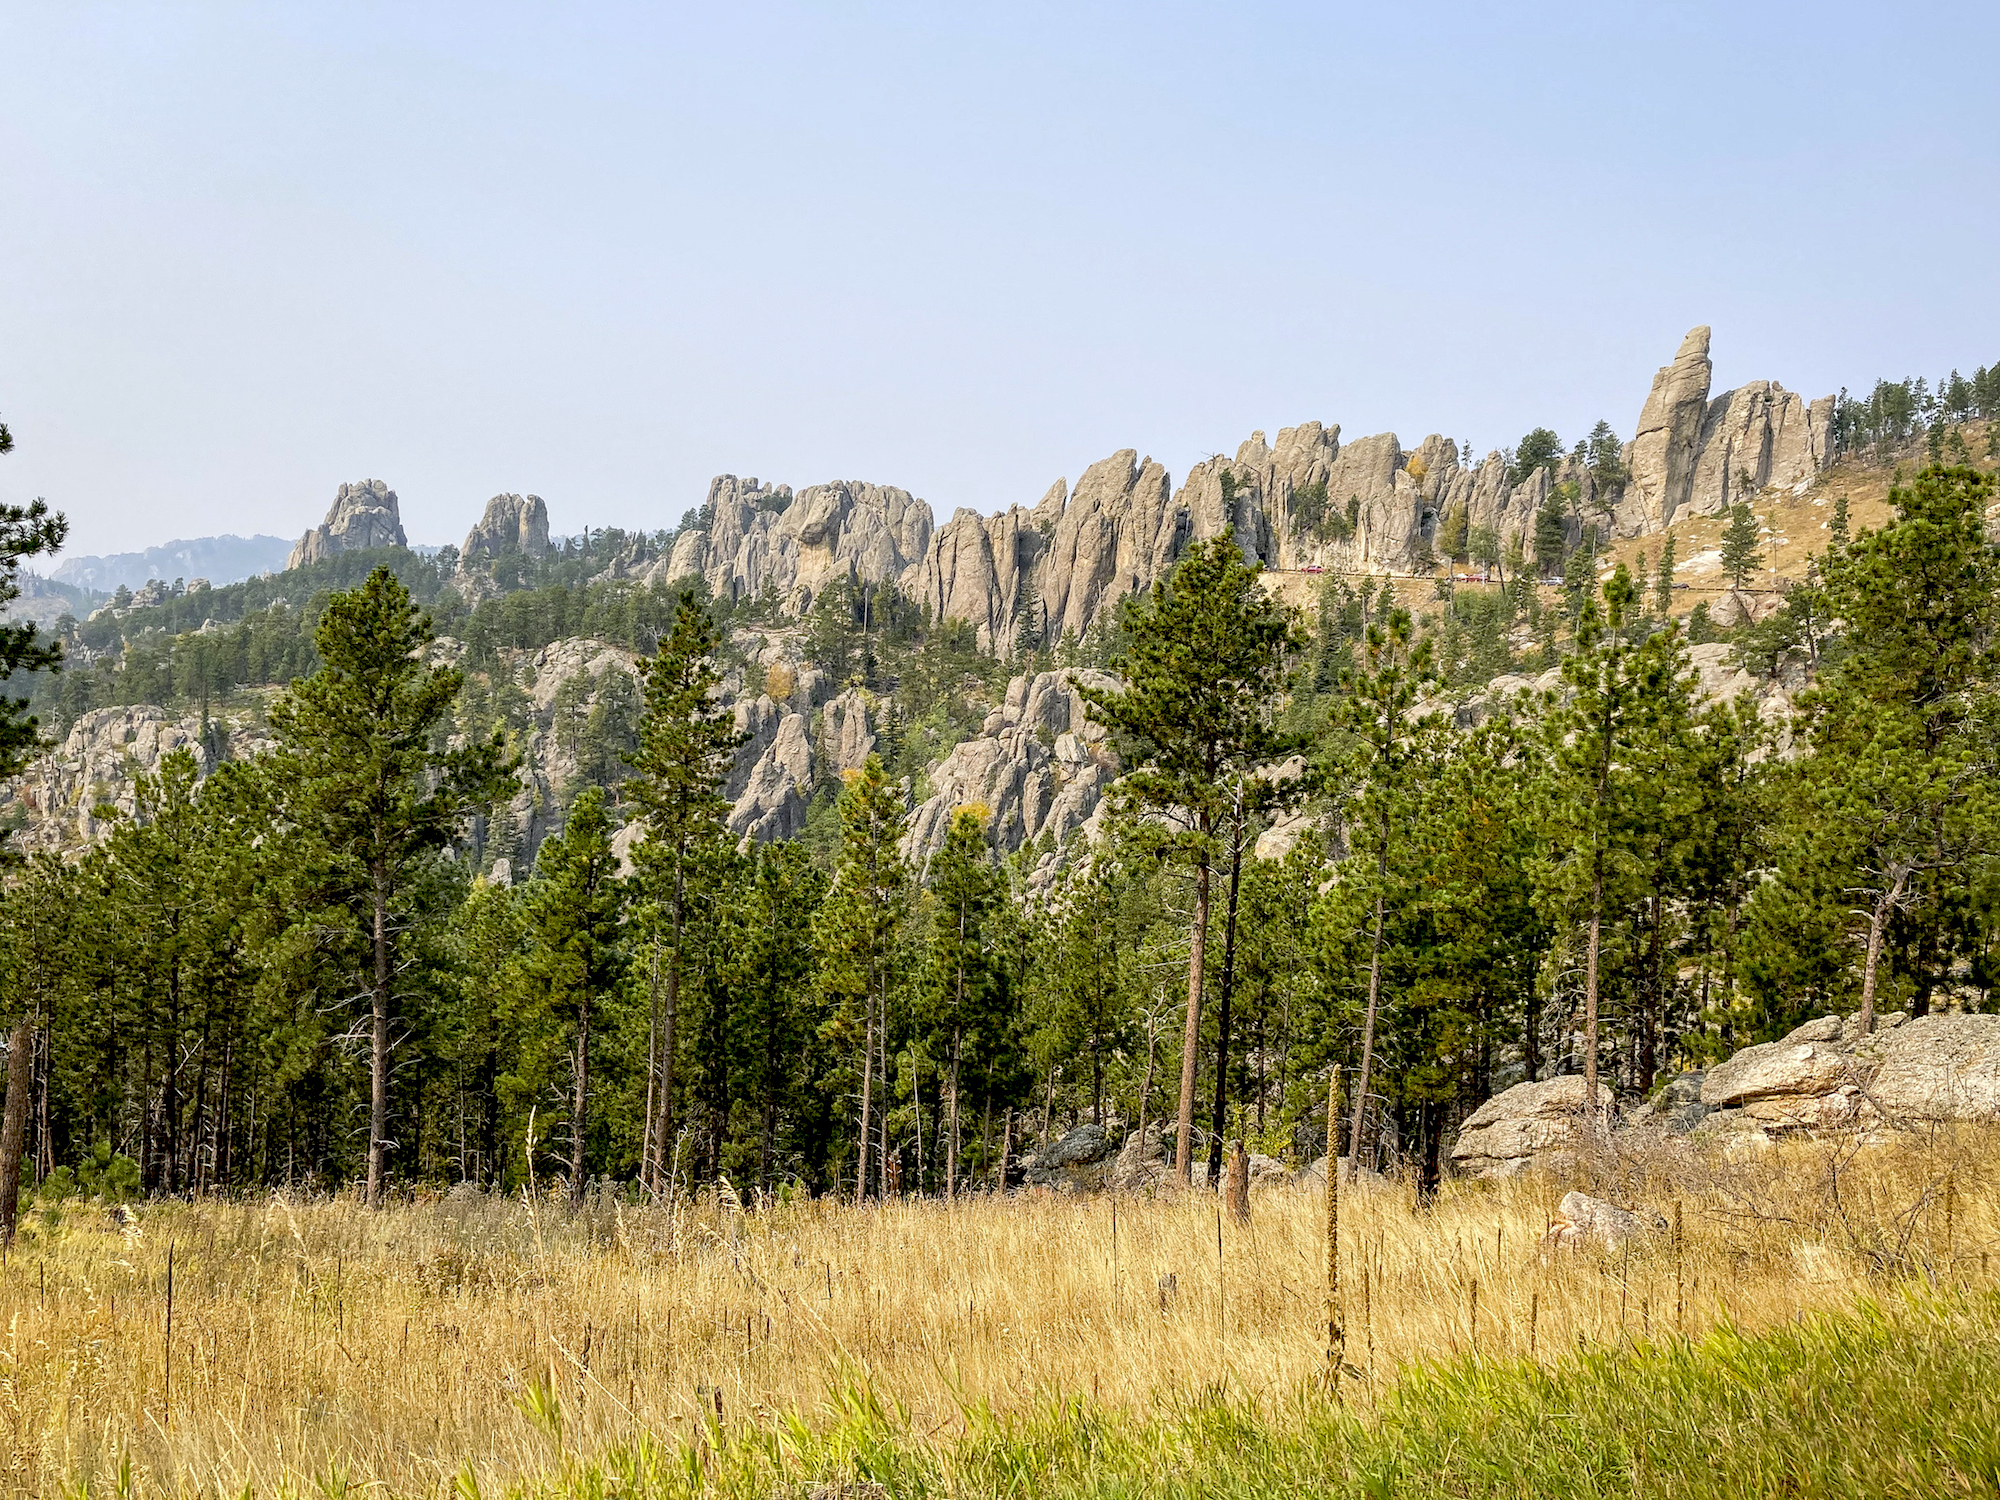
687 744
374 793
1207 659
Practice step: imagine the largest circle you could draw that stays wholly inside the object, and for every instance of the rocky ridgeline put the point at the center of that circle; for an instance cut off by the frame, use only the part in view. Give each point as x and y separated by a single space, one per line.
1305 501
1052 569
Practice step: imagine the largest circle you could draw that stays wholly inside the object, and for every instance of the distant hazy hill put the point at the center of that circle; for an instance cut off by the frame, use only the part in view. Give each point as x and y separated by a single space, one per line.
219 559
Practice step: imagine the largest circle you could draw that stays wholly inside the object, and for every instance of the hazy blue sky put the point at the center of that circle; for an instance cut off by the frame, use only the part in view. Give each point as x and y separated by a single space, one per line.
601 253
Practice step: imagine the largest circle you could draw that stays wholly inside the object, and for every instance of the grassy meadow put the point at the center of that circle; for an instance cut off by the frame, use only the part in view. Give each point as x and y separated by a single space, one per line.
1825 1321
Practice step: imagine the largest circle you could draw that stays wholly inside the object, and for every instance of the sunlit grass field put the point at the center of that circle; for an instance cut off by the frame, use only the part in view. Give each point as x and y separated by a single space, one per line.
1824 1319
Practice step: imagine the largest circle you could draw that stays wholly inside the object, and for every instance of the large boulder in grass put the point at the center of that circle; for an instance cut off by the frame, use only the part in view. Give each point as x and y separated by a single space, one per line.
1072 1162
1142 1165
1827 1075
1511 1131
1939 1068
1807 1080
1584 1222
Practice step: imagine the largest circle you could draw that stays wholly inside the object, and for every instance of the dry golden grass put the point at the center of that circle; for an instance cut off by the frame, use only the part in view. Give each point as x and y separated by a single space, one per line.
312 1338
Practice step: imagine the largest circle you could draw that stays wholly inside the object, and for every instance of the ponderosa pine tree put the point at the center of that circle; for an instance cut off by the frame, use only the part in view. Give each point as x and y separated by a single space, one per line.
1207 659
1903 769
773 983
1741 555
1394 672
25 531
687 744
965 891
573 952
1593 786
856 932
372 793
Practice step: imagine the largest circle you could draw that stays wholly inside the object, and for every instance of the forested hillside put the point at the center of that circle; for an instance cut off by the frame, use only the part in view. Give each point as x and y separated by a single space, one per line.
442 868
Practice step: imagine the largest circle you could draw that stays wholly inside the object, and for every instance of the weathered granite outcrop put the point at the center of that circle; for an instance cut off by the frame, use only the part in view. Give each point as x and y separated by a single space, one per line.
510 524
1039 766
846 732
763 539
1941 1069
364 515
565 682
773 778
1690 452
1527 1124
98 764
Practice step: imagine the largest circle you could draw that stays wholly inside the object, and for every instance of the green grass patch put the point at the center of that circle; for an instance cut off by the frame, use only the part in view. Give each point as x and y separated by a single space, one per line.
1899 1398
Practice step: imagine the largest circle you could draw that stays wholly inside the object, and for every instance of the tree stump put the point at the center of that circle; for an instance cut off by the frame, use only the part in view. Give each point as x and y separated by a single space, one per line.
1238 1190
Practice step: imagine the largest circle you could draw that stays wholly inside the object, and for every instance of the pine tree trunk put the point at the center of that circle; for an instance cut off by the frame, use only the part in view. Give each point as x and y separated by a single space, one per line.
1878 919
1367 1030
1590 995
14 1127
917 1111
882 1115
867 1099
663 1130
1228 993
951 1139
579 1117
1649 1019
378 1055
647 1178
170 1098
1146 1088
1191 1034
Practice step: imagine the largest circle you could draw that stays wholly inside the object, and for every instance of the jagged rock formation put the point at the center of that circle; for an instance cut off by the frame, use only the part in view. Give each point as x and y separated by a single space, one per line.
1039 766
761 539
1034 574
773 778
846 732
1689 451
364 515
511 524
99 763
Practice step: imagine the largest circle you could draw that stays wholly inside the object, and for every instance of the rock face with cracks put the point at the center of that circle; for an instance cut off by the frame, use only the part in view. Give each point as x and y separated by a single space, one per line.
1941 1069
363 515
1526 1124
511 524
